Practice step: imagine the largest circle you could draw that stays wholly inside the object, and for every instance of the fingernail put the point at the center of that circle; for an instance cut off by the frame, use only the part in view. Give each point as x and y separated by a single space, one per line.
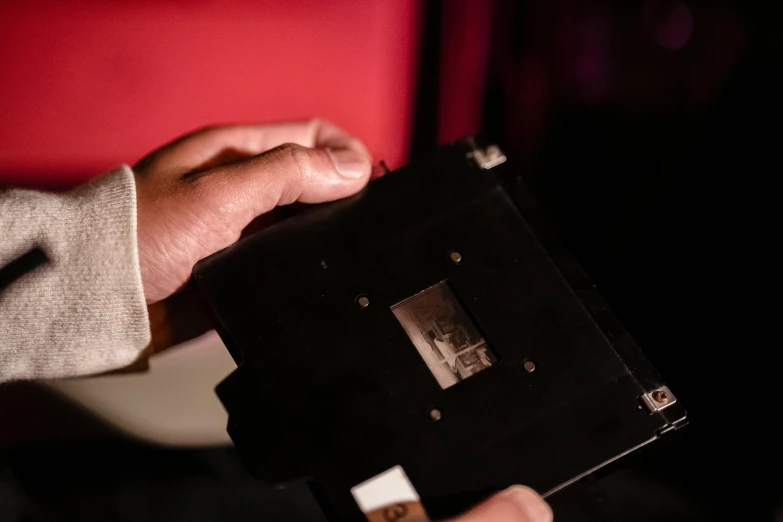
346 162
534 508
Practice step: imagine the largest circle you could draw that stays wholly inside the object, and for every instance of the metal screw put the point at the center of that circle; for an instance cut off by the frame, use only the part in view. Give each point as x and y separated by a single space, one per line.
529 366
660 396
435 414
455 257
363 301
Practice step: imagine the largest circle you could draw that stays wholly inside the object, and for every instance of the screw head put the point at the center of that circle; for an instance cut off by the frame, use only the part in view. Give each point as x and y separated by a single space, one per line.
363 301
455 257
660 396
436 414
529 366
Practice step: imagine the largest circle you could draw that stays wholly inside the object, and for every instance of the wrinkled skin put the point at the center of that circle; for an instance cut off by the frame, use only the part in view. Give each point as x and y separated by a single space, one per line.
196 194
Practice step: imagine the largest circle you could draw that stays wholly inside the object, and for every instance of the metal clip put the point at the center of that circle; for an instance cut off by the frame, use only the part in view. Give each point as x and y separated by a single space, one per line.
486 158
659 399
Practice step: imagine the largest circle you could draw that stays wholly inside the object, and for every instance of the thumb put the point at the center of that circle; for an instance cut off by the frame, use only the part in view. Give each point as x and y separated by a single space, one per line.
516 504
241 191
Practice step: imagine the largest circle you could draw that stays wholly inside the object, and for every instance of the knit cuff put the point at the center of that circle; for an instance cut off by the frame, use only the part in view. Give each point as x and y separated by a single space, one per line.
84 310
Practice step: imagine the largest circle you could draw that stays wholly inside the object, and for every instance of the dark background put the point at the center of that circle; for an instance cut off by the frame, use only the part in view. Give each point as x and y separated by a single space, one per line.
653 153
649 133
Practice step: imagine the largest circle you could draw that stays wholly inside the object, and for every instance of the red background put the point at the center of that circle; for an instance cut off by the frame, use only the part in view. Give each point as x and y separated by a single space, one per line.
88 85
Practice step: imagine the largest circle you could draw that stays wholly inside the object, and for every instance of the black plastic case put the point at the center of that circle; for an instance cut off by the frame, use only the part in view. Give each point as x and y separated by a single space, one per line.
332 392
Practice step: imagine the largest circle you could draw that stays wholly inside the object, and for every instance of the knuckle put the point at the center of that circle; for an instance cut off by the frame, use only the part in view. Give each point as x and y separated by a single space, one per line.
314 127
319 123
206 129
319 127
299 158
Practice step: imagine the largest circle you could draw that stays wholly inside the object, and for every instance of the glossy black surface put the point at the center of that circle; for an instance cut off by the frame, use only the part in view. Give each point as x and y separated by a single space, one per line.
333 393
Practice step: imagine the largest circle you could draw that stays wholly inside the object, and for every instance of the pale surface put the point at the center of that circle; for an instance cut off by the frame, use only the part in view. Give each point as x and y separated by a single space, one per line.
174 403
389 488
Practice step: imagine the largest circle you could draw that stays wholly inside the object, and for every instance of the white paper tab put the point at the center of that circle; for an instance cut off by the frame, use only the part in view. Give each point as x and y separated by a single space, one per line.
389 495
390 487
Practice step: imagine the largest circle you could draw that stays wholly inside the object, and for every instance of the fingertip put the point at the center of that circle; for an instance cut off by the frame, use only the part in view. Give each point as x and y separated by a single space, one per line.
349 163
515 504
529 502
352 168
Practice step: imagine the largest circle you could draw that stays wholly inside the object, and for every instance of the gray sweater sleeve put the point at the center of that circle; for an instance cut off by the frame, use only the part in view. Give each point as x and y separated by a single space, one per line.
71 298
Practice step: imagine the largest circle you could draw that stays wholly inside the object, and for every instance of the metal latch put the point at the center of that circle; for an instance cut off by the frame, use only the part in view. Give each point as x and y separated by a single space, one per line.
659 399
486 158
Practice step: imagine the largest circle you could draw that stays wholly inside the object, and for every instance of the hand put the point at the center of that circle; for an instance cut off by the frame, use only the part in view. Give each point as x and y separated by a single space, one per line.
196 194
516 504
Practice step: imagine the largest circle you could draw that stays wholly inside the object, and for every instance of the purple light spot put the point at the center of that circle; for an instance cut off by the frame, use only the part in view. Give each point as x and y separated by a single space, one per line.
669 23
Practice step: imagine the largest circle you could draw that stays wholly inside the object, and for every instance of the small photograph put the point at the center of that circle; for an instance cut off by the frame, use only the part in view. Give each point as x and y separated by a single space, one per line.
444 335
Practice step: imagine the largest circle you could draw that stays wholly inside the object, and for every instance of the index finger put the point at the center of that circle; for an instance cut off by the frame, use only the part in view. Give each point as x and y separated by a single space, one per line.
199 147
